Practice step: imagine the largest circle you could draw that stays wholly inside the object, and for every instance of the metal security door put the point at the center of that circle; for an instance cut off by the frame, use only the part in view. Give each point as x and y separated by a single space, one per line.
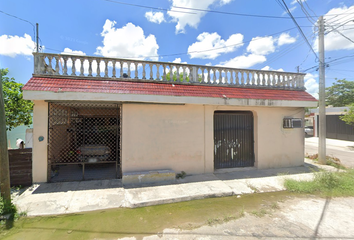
233 139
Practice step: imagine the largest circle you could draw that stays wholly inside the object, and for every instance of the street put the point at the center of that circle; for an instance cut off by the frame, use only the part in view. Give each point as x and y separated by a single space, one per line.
344 150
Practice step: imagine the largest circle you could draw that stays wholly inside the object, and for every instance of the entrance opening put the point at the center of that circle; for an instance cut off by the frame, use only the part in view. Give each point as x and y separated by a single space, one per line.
84 141
233 139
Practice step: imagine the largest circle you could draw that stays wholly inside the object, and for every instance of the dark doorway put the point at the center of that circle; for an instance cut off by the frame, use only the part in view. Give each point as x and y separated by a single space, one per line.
233 139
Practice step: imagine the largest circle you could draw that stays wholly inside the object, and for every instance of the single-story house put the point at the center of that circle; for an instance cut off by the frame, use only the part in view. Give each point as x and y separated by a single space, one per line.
141 116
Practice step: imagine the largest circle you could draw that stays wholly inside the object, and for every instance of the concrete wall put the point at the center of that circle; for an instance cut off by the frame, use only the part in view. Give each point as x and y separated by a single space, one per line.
40 129
156 136
181 137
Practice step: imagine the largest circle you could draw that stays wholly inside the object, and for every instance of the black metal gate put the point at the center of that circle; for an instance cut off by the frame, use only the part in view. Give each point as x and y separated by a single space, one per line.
337 129
84 141
233 139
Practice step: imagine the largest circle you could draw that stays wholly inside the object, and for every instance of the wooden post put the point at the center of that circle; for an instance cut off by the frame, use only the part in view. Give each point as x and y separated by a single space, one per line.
4 156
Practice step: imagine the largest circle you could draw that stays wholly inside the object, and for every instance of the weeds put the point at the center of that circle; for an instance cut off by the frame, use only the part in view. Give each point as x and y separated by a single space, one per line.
330 160
334 184
259 213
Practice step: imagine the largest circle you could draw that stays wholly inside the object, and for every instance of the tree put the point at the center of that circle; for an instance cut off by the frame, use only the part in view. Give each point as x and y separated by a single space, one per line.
348 118
340 94
17 110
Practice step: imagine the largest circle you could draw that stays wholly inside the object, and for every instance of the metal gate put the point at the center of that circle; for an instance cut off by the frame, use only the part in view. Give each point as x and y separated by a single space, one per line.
337 129
84 141
233 139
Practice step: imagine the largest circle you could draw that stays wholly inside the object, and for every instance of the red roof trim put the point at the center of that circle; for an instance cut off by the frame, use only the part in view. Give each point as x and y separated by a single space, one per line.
164 89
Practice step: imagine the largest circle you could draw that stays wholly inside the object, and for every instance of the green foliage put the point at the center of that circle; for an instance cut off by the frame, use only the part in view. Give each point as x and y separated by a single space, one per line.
336 184
17 110
340 94
348 118
7 207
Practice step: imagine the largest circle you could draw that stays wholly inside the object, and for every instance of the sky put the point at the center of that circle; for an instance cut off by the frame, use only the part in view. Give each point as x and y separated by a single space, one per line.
251 34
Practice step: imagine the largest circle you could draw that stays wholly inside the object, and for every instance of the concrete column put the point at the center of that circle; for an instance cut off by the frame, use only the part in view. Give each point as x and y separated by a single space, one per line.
40 141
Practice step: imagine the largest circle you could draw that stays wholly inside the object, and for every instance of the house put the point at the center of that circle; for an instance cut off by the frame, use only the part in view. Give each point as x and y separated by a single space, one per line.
122 117
335 127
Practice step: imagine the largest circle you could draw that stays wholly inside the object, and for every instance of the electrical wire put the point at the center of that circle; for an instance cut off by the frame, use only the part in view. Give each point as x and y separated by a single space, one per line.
199 10
24 20
299 28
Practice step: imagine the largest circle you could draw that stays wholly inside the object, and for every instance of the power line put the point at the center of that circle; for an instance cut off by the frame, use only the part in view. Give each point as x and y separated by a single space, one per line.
24 20
297 25
199 10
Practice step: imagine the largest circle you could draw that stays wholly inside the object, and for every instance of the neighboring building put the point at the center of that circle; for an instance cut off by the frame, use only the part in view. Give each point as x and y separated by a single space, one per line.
335 127
126 112
19 132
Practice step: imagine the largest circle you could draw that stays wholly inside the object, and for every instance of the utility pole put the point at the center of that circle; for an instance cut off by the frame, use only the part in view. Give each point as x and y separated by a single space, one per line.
4 156
37 46
322 95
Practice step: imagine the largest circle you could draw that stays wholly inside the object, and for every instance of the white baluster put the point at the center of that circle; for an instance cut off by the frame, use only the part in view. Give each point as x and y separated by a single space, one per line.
90 67
82 67
157 72
73 68
144 71
136 70
114 69
105 68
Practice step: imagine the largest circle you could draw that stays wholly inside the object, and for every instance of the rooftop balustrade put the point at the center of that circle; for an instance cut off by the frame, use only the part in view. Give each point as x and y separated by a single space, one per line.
101 68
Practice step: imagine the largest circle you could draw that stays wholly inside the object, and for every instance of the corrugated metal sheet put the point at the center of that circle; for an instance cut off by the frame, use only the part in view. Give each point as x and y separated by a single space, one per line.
233 139
337 129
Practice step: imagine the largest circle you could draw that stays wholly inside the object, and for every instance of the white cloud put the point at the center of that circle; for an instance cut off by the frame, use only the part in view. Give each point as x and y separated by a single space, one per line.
333 40
244 61
14 45
185 17
72 52
128 42
311 85
261 45
209 41
267 68
178 60
155 17
285 38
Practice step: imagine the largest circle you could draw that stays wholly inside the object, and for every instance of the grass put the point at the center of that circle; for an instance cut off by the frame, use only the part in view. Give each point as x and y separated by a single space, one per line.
329 184
139 222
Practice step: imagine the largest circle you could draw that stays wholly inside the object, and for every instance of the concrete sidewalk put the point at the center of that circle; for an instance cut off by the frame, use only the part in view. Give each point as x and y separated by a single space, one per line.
332 143
73 197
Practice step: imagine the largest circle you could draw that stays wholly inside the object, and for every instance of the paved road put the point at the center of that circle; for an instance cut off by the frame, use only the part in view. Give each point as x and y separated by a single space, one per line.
344 150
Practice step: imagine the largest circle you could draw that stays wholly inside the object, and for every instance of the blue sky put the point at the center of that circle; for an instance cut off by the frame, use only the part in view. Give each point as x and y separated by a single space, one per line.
174 31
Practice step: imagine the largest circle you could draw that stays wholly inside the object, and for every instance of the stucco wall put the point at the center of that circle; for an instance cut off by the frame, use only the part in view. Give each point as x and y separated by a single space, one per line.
40 129
181 137
156 137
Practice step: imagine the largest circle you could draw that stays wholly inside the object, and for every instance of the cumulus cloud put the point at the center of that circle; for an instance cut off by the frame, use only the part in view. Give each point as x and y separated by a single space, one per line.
12 46
311 84
128 42
214 44
244 61
72 52
178 60
185 17
261 45
257 50
333 40
285 38
267 68
155 17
